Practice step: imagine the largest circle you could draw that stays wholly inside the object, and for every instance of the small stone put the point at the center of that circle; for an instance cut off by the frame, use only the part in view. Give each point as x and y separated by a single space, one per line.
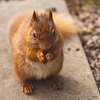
97 70
94 33
98 65
94 38
77 49
93 52
93 71
69 49
93 11
98 13
90 26
98 83
89 42
99 55
81 16
86 38
86 50
88 30
86 14
93 21
98 22
99 88
97 77
97 30
92 64
99 35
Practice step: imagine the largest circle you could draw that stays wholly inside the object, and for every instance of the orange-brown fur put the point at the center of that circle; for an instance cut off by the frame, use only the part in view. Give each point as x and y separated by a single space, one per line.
38 56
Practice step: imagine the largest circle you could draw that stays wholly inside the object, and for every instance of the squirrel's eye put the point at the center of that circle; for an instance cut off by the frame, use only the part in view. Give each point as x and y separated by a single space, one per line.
34 35
54 33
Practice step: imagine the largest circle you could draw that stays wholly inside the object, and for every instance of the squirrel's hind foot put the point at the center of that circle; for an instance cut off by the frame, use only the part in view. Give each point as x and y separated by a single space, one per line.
27 87
56 84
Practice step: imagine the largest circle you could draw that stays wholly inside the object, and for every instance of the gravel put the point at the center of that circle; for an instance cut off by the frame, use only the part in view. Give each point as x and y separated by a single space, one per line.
90 38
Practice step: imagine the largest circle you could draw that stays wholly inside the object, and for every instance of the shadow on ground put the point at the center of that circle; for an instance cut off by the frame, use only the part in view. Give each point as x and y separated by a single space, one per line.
71 90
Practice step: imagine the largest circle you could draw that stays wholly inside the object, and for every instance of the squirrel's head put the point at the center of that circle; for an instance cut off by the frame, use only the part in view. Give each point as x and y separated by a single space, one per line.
42 31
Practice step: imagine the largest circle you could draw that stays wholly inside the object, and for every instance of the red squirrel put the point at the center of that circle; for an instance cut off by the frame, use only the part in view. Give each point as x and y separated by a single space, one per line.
37 46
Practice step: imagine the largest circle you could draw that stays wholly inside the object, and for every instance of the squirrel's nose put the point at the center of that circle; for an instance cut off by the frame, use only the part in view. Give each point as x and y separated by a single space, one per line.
45 47
45 52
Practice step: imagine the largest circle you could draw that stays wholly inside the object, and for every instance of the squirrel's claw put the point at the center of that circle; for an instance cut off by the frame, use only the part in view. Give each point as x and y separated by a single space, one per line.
43 60
56 84
49 56
41 57
27 87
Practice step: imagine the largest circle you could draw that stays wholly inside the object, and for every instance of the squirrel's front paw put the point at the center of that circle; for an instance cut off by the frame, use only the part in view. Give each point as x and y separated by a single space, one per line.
41 57
27 87
56 84
49 56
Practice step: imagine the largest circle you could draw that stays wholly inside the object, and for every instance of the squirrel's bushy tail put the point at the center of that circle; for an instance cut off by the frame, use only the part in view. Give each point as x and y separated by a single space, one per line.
66 24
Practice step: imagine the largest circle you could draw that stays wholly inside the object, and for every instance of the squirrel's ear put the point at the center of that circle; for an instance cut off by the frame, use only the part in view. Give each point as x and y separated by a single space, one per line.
34 17
50 15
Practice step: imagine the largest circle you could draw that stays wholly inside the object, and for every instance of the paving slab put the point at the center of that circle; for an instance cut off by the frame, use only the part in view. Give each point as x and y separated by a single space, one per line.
76 74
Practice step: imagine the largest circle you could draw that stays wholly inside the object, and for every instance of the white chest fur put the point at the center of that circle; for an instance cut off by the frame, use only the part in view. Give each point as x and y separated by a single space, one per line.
39 70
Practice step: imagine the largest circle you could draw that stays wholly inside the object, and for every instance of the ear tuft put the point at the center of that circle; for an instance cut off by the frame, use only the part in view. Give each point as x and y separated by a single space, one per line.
34 15
50 15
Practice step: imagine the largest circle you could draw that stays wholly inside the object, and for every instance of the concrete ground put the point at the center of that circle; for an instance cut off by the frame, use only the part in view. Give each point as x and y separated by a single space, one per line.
76 74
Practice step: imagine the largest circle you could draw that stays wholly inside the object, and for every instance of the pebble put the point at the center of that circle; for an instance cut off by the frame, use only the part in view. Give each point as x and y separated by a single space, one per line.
97 77
86 38
97 30
90 26
92 64
98 21
87 30
99 55
81 16
95 38
98 65
93 53
89 42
